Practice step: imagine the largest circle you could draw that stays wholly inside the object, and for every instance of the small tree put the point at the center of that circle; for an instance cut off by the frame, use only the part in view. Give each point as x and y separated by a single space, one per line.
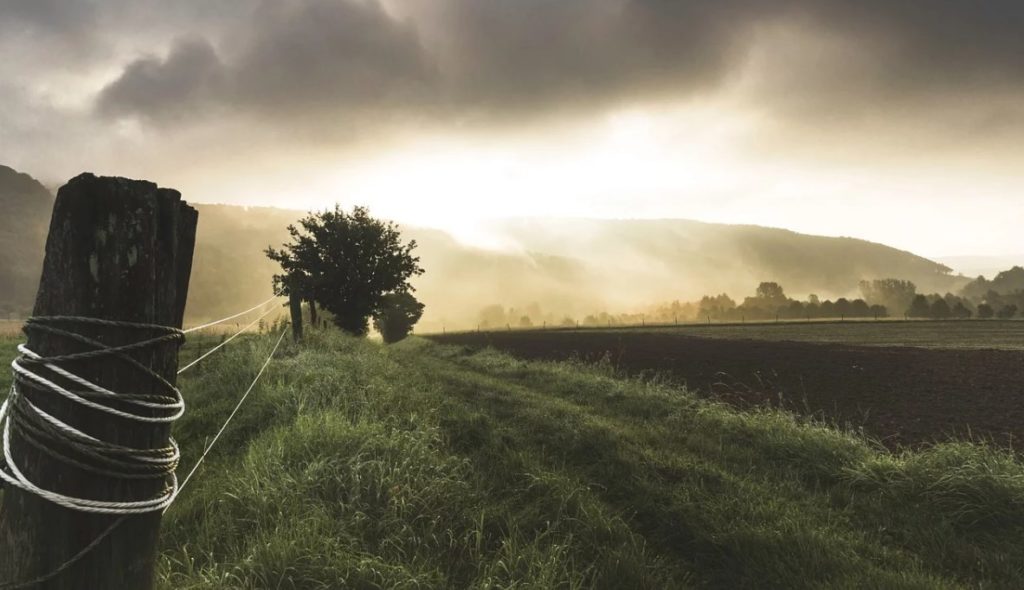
1008 311
398 313
769 291
985 311
347 262
940 309
919 308
960 311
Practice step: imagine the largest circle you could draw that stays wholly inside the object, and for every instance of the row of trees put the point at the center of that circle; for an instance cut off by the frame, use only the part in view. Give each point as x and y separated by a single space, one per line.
354 266
941 308
881 298
770 302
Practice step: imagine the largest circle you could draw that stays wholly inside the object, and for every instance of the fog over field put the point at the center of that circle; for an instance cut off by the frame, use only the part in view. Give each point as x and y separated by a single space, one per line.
548 269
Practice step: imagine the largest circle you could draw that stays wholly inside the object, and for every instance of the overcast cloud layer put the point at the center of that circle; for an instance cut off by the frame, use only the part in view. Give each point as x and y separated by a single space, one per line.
99 84
496 59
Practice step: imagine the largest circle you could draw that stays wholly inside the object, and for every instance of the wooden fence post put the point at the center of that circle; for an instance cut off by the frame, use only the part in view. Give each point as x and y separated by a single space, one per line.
313 314
295 306
118 249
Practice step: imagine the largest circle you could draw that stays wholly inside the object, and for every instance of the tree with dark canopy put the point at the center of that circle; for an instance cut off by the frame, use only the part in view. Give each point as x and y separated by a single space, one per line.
1008 311
348 262
960 311
940 309
769 291
397 314
920 308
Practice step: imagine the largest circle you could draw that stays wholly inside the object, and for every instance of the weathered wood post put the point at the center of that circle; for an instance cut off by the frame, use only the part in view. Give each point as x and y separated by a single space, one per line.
312 314
295 306
118 249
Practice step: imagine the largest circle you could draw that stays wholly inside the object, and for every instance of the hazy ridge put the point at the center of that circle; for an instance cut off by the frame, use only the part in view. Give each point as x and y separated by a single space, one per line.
566 267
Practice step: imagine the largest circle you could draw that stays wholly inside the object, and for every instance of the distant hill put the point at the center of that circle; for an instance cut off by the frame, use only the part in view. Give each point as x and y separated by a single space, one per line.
564 267
975 266
685 259
1004 283
25 207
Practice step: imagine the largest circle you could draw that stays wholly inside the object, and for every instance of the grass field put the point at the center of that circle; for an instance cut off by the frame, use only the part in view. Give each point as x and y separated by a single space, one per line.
426 466
8 350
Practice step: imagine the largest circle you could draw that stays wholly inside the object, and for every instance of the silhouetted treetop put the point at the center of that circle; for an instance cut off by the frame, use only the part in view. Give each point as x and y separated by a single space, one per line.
347 262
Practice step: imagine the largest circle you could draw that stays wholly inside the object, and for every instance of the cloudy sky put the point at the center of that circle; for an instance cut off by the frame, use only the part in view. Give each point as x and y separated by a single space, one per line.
899 121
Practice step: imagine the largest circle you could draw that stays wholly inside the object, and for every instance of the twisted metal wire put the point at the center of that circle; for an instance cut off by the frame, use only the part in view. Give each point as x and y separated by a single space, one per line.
71 446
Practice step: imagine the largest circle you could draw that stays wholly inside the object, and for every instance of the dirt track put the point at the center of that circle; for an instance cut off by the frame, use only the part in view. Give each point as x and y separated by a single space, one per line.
901 395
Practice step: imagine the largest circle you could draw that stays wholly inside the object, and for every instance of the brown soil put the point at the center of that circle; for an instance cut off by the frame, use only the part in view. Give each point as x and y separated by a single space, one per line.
900 395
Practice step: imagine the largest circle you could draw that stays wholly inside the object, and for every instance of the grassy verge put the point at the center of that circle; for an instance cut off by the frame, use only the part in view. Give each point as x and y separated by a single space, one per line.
8 350
423 466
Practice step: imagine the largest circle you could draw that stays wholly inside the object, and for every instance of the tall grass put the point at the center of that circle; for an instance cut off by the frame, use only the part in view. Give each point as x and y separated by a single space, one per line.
422 466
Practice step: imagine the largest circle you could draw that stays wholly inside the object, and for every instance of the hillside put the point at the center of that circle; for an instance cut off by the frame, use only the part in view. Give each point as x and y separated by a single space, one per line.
569 267
1004 283
686 259
25 206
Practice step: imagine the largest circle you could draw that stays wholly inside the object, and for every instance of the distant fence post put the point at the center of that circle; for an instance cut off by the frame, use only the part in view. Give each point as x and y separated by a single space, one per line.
295 307
313 314
119 250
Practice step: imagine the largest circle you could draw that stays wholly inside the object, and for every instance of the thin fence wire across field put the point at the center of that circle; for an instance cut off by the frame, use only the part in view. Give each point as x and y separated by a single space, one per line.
222 344
229 318
123 510
238 406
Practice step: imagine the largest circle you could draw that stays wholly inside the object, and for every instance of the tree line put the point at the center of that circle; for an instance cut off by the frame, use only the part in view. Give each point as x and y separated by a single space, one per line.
880 298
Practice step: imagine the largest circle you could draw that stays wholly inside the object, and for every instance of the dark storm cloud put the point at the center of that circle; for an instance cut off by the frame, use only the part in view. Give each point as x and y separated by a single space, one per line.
310 58
339 59
535 52
191 75
331 55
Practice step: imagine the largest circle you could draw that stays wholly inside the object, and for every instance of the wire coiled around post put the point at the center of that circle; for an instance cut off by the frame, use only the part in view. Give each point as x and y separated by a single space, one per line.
49 376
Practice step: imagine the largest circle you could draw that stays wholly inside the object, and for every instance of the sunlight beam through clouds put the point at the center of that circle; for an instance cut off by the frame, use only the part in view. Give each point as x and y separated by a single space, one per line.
872 119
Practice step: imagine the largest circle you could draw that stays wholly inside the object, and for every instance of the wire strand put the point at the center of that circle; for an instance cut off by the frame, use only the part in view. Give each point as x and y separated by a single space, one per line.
71 446
219 346
230 416
221 321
